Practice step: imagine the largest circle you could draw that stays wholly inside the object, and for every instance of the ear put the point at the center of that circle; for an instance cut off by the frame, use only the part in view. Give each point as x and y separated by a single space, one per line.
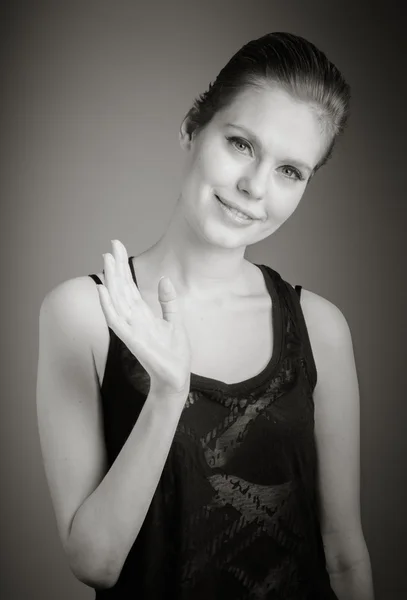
185 137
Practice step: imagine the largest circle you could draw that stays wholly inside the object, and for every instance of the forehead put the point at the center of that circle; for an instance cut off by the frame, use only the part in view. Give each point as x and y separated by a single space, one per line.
281 123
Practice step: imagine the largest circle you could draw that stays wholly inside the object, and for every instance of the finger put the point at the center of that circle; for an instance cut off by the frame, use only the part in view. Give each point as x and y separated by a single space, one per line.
168 300
132 291
115 286
120 256
113 319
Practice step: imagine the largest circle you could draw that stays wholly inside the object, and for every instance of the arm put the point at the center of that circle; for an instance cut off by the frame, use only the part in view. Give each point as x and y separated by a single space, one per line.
99 512
336 399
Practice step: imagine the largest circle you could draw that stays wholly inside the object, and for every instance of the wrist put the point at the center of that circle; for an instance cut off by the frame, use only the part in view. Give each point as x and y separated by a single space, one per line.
164 395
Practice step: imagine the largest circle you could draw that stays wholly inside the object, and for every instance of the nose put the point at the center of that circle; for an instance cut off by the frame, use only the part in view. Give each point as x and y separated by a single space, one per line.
254 181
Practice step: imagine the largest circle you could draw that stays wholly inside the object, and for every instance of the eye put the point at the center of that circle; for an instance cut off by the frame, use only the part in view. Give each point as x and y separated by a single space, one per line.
292 173
239 143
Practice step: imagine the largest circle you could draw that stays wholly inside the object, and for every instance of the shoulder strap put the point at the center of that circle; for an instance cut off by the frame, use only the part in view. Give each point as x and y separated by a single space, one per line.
132 269
96 279
308 355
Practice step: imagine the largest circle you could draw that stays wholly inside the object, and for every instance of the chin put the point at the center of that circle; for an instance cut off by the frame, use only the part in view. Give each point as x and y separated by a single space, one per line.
221 237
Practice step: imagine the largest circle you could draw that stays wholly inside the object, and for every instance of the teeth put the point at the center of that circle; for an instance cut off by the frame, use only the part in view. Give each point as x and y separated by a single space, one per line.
235 211
238 213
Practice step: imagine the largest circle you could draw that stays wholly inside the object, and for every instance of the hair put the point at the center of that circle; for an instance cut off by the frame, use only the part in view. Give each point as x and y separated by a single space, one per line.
288 61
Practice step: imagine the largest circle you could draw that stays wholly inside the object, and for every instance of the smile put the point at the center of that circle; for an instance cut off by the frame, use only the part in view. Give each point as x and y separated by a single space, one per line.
233 212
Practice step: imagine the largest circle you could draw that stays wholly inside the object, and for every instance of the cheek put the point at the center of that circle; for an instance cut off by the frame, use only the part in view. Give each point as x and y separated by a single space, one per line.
284 201
215 166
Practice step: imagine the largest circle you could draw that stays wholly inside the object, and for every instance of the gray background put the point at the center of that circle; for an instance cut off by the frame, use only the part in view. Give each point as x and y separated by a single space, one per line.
92 95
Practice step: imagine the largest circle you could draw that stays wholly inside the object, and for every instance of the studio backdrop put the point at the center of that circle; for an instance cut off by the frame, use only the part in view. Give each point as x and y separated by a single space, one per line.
93 94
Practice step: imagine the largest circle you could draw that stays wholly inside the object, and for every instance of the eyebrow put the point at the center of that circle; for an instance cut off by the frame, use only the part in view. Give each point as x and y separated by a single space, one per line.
295 162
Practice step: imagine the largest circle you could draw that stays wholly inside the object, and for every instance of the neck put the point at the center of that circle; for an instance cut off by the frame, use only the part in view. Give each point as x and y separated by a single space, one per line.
197 267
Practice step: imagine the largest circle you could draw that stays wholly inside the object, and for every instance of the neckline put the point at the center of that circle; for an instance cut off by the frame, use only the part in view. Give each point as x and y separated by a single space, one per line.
201 382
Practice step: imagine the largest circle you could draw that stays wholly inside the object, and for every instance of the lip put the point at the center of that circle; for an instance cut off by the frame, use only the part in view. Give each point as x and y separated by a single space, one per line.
232 205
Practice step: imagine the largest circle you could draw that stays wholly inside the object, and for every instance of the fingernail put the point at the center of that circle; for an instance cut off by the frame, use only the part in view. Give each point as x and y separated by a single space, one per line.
167 286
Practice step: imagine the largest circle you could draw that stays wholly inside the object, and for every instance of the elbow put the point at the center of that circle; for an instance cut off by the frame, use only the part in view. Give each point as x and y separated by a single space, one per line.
91 567
97 578
345 551
96 581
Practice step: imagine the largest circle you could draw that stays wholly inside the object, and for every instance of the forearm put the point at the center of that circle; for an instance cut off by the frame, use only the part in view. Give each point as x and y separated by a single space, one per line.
354 583
107 523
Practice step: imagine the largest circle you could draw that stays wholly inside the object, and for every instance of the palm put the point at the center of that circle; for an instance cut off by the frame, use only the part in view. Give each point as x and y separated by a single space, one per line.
160 344
162 348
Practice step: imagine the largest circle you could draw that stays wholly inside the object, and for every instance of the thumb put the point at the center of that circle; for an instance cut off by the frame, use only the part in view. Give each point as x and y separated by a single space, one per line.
167 297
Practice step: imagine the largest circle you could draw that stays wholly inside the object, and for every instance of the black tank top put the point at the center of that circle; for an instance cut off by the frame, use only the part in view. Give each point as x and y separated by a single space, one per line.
235 514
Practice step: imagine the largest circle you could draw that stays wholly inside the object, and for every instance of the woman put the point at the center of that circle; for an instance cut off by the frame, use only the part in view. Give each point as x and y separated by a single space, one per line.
199 419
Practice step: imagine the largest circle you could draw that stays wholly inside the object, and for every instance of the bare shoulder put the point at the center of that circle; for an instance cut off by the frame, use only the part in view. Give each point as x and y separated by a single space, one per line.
73 307
326 323
76 300
77 289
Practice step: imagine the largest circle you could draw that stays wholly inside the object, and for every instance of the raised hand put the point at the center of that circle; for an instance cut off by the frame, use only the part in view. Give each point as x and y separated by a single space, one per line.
160 344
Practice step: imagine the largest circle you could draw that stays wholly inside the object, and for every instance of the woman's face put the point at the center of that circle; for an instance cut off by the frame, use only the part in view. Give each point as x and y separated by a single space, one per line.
258 155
